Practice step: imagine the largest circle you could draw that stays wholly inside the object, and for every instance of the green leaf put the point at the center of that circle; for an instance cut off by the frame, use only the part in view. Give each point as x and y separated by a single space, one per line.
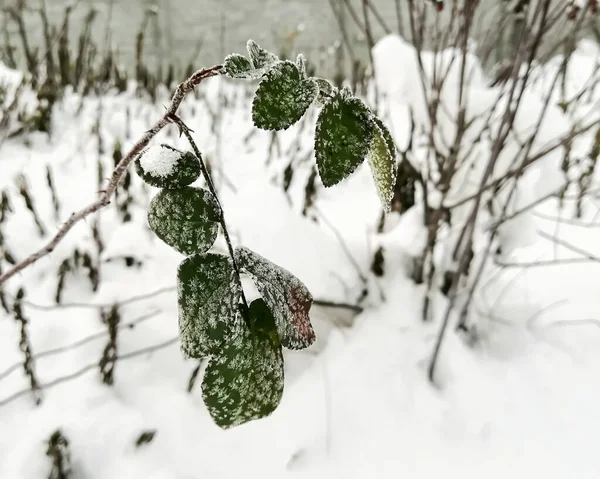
163 166
343 136
238 66
186 219
282 97
301 65
287 297
326 91
389 140
260 57
245 381
208 296
383 165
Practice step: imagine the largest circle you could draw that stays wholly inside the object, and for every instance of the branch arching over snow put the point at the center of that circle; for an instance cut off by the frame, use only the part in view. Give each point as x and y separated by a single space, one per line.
182 90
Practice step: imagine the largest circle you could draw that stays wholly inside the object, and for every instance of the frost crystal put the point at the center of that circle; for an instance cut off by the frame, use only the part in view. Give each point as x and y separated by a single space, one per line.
282 97
159 160
208 295
245 381
286 296
383 166
186 219
342 138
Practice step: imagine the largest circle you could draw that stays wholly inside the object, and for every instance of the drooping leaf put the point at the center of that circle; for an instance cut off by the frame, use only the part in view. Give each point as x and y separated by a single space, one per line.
187 219
282 97
326 91
342 138
389 140
163 166
208 296
383 167
260 57
286 296
245 381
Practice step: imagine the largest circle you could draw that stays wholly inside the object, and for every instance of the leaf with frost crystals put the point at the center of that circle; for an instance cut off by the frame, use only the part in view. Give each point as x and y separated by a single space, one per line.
260 57
287 297
326 91
282 97
187 219
342 138
383 165
301 65
245 381
163 166
208 296
238 66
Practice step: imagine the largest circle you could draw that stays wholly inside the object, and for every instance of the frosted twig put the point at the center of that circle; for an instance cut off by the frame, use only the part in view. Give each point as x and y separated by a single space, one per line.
182 90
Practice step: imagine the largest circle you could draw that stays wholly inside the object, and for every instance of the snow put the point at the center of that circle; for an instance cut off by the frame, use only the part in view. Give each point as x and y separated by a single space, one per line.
523 402
159 160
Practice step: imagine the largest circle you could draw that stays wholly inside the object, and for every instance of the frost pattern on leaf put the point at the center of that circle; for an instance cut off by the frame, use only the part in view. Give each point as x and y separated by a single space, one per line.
208 296
326 91
389 140
342 138
238 66
287 297
163 166
282 97
187 219
245 381
301 65
260 57
383 167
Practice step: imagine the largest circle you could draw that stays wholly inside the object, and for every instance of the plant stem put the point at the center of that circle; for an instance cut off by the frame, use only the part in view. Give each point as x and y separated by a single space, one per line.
186 131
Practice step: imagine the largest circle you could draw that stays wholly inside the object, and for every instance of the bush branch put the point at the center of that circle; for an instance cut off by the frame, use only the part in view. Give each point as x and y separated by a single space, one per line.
182 90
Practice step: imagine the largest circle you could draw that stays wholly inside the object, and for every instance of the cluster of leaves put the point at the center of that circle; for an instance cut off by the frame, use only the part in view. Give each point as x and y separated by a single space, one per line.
244 377
347 131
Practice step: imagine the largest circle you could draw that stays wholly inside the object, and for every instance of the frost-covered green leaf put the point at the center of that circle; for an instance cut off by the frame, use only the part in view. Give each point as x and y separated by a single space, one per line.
238 66
282 97
245 381
389 140
383 166
187 219
342 138
163 166
286 296
260 57
301 65
208 296
326 91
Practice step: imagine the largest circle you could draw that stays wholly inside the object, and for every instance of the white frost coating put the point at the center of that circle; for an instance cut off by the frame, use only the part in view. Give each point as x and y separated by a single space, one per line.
159 161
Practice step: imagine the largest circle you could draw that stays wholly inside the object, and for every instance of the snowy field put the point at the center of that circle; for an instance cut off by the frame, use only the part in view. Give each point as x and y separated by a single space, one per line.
522 402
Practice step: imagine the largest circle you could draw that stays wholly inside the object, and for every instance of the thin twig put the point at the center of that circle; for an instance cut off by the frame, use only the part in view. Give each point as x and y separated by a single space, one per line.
186 131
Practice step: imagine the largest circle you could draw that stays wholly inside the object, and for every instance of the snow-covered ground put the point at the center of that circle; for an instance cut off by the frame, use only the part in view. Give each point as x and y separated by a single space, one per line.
524 402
